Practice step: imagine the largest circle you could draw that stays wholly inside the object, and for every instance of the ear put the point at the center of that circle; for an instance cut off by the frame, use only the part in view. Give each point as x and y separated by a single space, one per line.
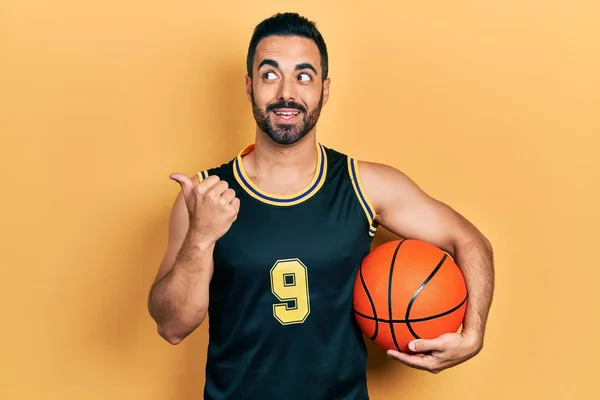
249 88
326 84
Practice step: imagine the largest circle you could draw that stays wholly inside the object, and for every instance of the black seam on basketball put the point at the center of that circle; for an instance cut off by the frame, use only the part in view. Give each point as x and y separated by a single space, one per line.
414 296
362 279
390 295
414 320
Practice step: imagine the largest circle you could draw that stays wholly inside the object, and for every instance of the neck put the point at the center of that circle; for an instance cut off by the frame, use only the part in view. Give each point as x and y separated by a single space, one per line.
299 156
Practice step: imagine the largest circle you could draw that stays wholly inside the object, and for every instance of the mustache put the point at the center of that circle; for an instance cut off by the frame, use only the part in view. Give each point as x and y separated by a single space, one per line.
286 104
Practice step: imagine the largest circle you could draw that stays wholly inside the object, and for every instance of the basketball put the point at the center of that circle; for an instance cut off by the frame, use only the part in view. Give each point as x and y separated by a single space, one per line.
405 290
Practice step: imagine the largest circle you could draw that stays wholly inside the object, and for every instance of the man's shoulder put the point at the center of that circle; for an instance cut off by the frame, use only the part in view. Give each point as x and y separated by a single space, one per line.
363 167
379 173
334 151
223 171
363 162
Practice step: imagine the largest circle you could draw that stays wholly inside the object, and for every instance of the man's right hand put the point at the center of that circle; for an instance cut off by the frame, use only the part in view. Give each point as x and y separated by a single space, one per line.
212 206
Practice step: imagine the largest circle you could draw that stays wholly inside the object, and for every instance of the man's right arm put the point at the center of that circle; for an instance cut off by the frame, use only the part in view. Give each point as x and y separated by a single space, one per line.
201 214
178 299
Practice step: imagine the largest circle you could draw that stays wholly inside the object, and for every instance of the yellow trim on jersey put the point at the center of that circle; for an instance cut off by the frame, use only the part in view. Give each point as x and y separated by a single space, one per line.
361 194
281 200
202 175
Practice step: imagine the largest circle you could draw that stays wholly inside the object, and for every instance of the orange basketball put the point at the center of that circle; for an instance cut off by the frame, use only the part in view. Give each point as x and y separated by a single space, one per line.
408 289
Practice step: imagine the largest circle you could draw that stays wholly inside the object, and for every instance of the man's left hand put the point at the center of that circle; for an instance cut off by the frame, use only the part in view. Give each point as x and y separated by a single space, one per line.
436 355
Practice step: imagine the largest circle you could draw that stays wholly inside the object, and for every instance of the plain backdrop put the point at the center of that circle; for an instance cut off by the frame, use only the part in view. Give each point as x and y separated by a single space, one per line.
492 107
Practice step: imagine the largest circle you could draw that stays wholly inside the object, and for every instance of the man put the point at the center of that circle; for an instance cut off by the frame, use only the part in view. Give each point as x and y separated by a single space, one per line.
268 244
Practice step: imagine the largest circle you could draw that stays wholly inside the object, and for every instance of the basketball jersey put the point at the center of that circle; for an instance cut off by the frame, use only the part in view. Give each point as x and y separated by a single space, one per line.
280 311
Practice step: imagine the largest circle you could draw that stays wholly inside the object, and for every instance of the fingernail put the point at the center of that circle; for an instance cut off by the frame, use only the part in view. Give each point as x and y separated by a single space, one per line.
411 346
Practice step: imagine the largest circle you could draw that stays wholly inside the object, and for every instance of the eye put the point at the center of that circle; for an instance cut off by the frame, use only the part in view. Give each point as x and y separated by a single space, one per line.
304 77
269 75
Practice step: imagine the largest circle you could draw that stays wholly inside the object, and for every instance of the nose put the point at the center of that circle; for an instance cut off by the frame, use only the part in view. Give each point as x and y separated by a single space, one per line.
287 89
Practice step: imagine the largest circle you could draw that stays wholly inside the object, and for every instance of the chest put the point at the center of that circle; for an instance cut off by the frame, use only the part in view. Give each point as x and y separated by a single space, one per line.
323 235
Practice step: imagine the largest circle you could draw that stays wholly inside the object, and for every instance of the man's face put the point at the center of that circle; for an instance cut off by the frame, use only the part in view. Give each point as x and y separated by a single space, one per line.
287 89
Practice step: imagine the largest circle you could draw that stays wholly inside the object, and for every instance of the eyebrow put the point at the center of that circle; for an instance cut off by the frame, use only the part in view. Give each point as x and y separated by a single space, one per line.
306 66
275 64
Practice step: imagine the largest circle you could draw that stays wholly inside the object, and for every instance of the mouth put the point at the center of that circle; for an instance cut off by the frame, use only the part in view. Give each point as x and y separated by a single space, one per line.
286 114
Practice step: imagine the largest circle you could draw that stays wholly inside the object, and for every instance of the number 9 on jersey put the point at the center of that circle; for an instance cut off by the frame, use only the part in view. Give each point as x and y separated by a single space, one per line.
289 284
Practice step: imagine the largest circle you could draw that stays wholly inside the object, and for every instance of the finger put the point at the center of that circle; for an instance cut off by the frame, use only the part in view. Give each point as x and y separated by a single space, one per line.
216 190
185 182
425 345
182 179
235 203
425 363
207 183
227 196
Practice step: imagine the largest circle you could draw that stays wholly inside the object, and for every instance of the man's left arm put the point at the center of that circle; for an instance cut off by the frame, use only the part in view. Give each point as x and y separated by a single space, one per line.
403 208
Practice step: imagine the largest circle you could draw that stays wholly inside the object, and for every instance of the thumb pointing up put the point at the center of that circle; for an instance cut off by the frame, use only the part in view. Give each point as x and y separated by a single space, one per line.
186 187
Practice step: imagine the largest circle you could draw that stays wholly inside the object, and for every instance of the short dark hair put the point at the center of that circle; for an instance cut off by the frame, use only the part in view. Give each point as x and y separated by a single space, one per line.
287 24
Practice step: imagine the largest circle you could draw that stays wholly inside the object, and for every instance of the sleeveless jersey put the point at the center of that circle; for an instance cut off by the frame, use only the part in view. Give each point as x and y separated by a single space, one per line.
280 309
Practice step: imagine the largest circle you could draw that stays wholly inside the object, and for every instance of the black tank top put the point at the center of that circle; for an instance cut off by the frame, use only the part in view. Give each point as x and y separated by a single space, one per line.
280 312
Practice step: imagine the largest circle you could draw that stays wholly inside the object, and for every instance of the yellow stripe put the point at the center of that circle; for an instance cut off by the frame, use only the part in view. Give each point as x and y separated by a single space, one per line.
202 175
281 200
361 194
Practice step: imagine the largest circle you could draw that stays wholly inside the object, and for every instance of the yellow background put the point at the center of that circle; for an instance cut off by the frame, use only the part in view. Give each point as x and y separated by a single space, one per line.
491 106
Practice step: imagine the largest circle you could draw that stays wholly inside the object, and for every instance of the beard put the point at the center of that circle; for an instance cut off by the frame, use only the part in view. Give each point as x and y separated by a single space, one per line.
286 134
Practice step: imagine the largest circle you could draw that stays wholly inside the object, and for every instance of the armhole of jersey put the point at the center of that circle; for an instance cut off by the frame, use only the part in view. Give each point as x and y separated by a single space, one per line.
361 195
202 175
